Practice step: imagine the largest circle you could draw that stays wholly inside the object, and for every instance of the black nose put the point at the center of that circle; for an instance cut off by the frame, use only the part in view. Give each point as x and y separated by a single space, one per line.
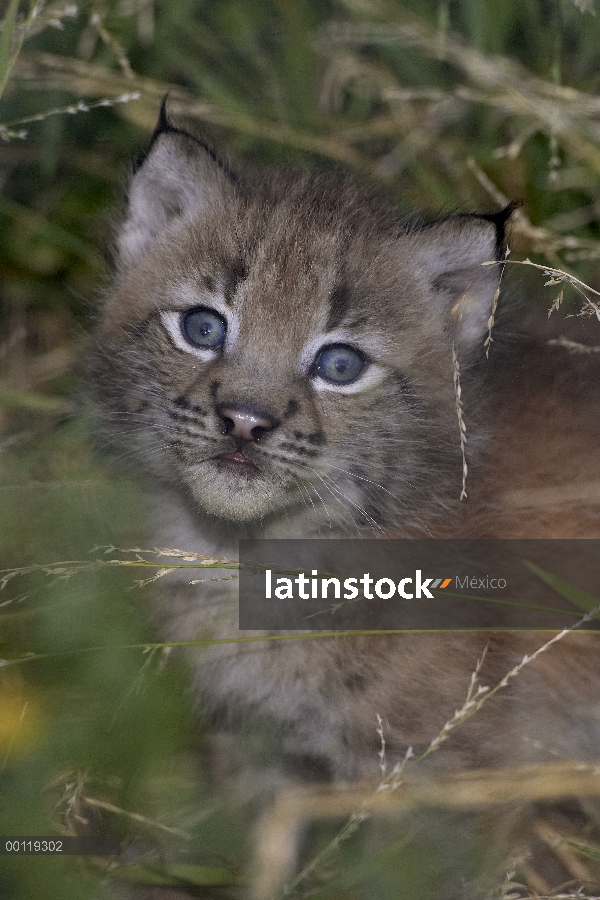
244 424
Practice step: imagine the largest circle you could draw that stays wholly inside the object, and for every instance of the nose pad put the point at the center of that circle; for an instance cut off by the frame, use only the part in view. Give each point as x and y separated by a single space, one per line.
244 424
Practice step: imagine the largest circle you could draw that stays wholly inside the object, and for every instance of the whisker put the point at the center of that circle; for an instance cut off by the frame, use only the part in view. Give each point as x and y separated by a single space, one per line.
372 522
382 488
344 496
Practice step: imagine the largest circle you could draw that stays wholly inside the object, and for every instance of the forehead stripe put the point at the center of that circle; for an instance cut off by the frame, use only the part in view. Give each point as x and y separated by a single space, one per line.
238 271
339 300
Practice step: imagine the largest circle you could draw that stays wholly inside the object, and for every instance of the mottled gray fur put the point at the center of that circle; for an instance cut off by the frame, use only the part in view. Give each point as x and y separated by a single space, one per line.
294 263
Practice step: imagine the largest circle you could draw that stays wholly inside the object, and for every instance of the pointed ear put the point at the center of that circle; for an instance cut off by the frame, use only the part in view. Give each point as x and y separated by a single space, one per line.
178 177
452 253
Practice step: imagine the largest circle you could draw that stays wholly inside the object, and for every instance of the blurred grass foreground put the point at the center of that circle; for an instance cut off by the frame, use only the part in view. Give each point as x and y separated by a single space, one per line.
446 104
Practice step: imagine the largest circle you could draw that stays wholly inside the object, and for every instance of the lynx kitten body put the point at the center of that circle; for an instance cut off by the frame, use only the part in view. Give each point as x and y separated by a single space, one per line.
277 354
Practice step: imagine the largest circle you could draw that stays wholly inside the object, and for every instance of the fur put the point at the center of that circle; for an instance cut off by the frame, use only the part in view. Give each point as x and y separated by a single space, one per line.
294 263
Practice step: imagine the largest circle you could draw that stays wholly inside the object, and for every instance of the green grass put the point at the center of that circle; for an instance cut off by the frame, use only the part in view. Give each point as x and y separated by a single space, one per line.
443 106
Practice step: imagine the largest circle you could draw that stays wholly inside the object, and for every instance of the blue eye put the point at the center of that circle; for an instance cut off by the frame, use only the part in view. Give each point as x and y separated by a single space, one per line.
204 328
339 364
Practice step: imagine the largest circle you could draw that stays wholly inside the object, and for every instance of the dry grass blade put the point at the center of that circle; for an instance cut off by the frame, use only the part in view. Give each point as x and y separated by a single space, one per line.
590 306
461 420
571 861
46 71
560 111
8 55
135 817
573 346
477 697
464 790
6 132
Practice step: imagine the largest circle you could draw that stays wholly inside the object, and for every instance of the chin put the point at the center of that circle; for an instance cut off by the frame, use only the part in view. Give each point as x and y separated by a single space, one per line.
238 496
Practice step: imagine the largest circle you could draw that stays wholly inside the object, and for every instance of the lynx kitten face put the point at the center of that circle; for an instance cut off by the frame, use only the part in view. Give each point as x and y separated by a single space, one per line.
285 344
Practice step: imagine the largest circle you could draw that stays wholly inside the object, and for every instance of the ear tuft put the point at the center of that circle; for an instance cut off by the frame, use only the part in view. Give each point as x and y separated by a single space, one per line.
178 177
163 123
500 221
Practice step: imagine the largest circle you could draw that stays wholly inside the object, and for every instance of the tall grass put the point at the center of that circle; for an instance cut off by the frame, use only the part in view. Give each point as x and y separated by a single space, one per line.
442 105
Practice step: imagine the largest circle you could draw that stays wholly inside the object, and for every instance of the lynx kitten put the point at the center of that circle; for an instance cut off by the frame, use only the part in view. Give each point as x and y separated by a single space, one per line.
276 352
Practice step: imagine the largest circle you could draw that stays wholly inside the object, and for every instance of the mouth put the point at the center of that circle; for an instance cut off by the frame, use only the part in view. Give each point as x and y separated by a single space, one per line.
237 460
231 486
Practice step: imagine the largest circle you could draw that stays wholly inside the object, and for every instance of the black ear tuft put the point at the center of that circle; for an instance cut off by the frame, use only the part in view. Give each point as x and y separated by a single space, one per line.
163 126
163 123
500 220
